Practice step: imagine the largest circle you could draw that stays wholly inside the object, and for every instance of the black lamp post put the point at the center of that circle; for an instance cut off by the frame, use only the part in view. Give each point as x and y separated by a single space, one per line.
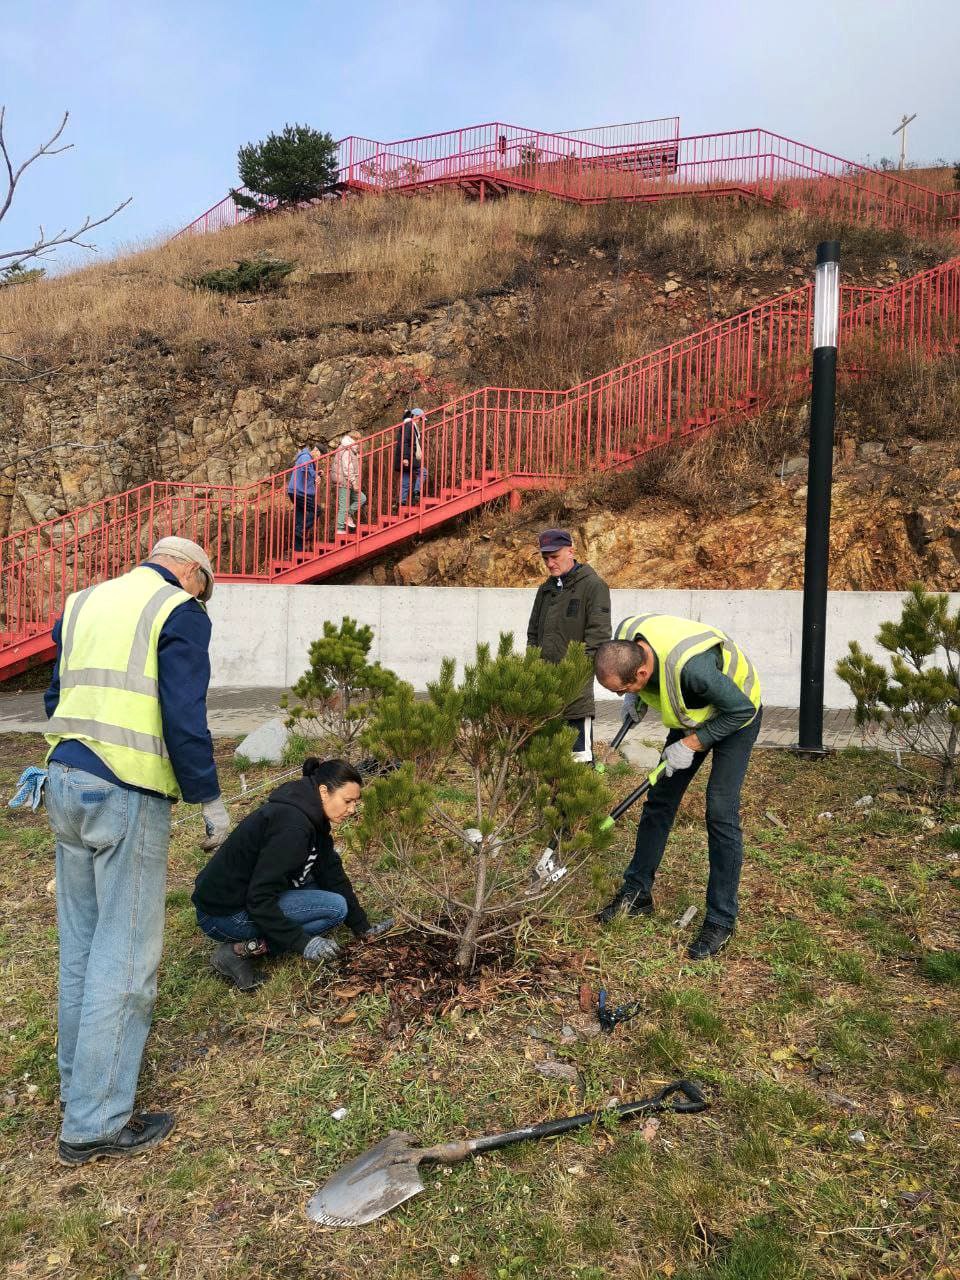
823 394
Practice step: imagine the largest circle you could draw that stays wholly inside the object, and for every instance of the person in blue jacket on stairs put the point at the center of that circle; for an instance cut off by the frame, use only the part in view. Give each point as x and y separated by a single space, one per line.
302 492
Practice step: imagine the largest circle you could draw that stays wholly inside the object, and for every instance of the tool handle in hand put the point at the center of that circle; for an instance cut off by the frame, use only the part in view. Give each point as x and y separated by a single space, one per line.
622 732
633 797
453 1152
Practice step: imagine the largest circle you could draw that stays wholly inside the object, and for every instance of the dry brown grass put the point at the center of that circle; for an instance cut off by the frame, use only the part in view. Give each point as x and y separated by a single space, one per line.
370 260
905 399
357 259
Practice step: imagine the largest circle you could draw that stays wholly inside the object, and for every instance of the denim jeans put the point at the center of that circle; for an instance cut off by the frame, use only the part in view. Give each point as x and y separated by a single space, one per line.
724 838
356 499
314 910
418 475
304 517
111 884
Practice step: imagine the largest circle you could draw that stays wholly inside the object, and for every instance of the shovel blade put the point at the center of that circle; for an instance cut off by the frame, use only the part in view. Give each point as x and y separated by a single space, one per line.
369 1186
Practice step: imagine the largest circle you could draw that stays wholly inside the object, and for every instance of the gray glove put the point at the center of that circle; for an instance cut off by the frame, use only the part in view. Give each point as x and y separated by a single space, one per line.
631 709
216 822
319 948
677 757
382 926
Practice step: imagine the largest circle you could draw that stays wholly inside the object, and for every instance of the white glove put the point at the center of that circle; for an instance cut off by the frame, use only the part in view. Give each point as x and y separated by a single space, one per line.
677 757
216 822
630 708
319 948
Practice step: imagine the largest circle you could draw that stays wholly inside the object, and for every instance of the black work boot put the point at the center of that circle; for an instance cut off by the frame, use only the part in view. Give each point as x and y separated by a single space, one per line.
236 969
626 901
711 939
144 1129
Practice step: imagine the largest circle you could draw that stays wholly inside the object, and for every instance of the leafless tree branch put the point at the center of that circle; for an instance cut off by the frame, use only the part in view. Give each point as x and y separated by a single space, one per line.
44 244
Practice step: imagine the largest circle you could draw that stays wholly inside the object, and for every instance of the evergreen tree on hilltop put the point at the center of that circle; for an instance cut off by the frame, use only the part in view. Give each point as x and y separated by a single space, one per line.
288 168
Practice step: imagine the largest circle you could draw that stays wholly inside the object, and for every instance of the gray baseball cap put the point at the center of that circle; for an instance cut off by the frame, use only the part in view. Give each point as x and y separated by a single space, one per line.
184 549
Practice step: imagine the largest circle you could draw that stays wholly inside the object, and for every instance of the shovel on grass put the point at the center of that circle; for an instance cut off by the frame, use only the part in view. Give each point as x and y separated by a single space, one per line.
389 1173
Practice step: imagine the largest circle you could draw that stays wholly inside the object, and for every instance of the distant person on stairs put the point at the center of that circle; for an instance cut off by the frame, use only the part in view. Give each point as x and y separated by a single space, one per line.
302 492
346 473
573 604
408 455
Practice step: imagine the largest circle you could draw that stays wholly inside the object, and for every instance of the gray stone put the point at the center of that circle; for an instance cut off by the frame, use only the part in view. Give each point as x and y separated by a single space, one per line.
641 754
267 743
793 466
870 450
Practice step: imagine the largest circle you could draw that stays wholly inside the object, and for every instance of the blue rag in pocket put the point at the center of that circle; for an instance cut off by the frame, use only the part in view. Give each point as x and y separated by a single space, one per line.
30 786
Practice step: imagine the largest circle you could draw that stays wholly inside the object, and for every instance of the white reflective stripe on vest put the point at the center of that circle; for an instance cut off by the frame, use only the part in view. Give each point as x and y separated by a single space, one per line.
671 679
70 726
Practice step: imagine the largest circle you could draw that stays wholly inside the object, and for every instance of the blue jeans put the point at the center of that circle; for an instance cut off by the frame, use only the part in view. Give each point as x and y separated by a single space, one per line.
304 517
314 910
111 884
418 475
724 838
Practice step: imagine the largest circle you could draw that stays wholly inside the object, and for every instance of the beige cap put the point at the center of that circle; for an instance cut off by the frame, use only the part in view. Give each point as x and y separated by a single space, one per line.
184 549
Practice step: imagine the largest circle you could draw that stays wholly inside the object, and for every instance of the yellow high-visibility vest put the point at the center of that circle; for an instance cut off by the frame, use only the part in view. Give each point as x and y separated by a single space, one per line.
109 696
675 641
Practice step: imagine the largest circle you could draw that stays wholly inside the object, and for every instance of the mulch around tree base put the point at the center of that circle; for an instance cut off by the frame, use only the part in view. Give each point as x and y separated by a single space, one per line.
420 978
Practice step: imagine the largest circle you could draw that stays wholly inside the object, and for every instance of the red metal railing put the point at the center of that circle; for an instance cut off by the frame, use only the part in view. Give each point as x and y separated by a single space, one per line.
647 161
477 447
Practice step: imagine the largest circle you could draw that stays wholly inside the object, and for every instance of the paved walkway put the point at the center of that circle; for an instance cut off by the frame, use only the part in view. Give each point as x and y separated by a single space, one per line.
234 712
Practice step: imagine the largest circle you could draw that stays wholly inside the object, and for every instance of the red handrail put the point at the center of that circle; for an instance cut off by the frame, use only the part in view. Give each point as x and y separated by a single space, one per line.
647 160
475 448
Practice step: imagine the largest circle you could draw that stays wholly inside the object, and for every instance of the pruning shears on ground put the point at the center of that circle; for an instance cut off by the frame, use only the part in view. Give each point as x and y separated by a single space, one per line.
611 1017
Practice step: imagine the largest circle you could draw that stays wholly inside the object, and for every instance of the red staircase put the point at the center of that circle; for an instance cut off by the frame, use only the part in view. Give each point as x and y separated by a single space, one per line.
477 448
646 161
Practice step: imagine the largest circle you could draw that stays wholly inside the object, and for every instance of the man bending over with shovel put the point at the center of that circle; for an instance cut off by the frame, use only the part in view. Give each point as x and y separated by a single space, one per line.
707 692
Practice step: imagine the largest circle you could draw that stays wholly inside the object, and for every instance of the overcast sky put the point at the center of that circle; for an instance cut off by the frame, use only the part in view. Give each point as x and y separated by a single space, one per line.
162 94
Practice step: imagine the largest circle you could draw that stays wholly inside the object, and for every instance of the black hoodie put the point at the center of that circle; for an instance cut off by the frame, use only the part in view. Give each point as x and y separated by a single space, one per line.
285 844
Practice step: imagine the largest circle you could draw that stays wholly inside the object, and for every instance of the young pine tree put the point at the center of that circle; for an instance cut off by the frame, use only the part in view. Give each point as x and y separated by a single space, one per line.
917 703
337 694
287 168
488 781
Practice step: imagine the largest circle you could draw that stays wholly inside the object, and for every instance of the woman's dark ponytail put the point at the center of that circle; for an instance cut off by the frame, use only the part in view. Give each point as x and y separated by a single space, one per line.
331 774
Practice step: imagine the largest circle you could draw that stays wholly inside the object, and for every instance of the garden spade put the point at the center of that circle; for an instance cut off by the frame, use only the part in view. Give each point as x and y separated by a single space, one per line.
389 1173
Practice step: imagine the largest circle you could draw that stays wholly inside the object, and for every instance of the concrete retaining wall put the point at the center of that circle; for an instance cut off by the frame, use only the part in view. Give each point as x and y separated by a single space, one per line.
261 634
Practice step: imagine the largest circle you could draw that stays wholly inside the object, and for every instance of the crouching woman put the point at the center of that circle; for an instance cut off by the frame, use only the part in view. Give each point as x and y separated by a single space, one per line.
277 883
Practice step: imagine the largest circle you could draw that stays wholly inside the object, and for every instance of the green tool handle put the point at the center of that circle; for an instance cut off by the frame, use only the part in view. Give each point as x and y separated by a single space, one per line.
633 797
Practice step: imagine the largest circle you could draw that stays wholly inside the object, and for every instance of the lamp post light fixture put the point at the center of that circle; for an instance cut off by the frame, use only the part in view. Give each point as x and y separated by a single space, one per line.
823 395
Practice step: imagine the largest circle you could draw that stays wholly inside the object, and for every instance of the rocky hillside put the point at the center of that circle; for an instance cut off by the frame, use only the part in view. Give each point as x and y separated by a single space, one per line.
135 373
730 511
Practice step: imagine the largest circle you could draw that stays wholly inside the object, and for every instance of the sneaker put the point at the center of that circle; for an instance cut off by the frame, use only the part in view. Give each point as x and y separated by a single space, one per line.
144 1129
629 902
236 969
351 526
711 939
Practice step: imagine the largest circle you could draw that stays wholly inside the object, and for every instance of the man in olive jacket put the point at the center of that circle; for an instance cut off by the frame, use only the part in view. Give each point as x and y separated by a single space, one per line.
573 604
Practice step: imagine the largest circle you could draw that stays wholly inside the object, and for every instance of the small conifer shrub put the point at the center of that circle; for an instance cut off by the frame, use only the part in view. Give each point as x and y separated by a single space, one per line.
487 783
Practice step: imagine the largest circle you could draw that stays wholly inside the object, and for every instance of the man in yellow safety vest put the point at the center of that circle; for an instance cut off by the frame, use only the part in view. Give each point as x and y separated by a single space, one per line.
128 736
707 692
